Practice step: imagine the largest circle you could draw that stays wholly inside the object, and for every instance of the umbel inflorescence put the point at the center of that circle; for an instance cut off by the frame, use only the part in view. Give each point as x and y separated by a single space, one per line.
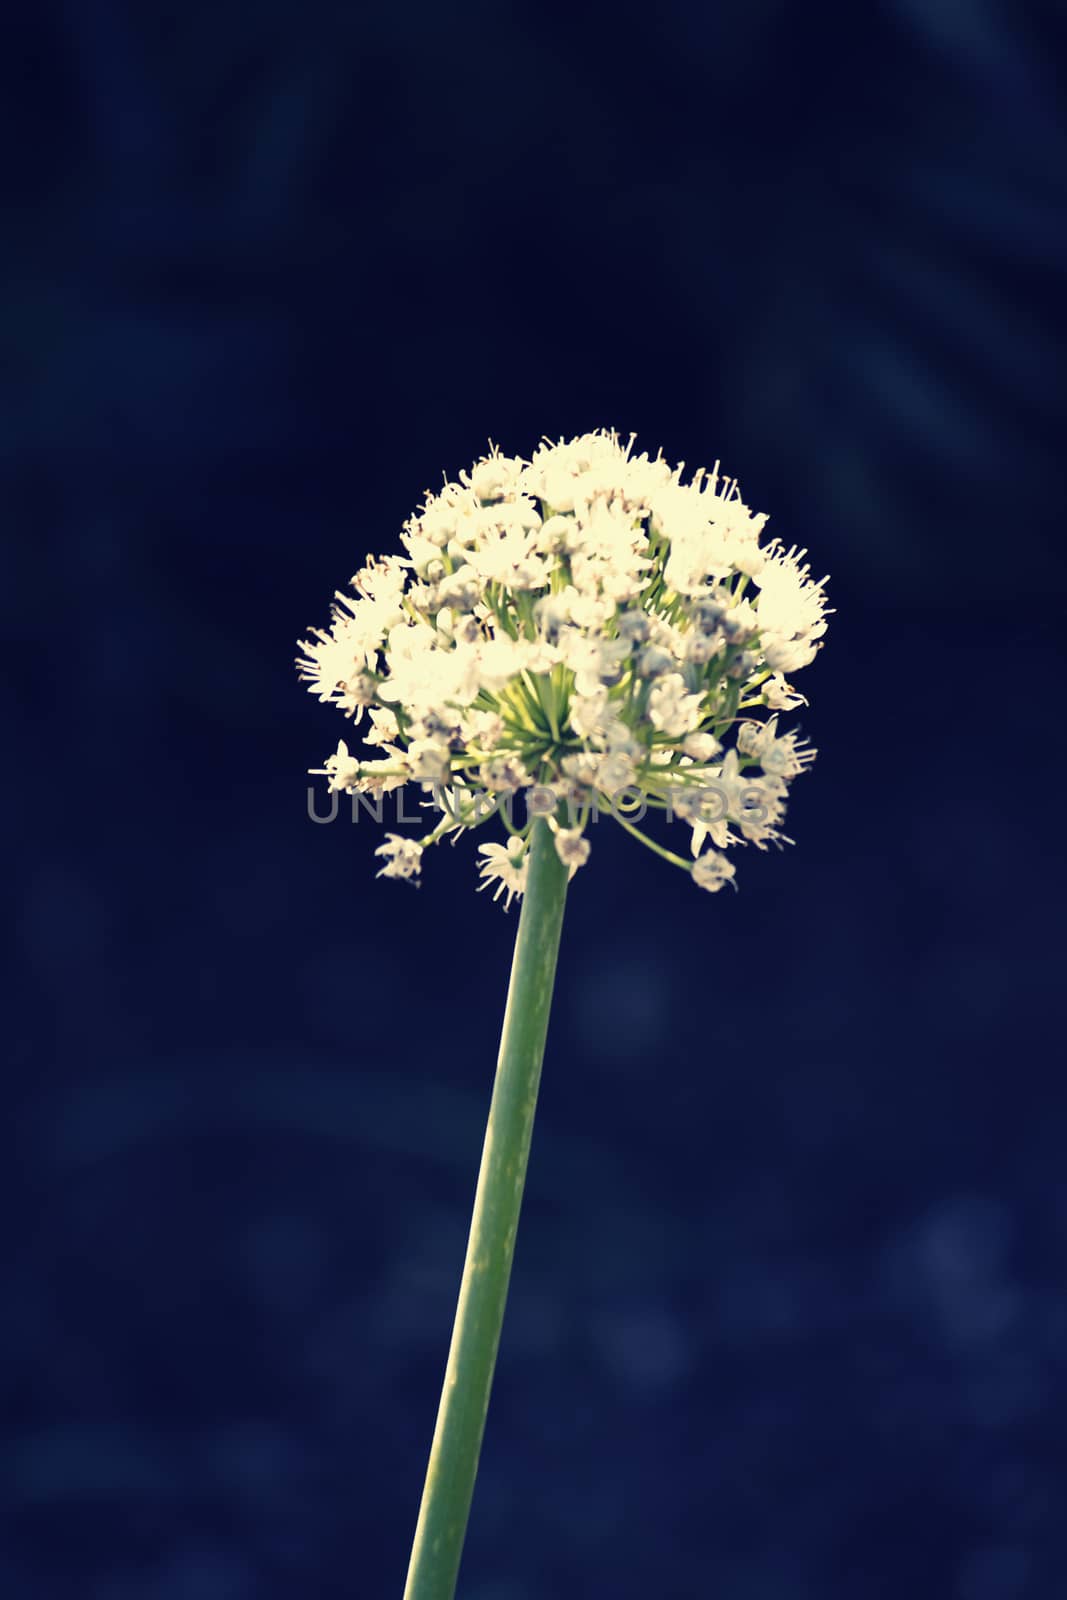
588 632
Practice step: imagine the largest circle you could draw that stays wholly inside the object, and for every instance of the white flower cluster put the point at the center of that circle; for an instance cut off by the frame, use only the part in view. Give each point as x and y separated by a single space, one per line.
590 631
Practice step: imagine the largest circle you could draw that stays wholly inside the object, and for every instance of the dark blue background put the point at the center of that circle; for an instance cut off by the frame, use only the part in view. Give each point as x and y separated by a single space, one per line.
789 1317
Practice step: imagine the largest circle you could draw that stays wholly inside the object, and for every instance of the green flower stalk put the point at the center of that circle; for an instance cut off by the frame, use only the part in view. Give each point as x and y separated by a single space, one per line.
586 633
457 1439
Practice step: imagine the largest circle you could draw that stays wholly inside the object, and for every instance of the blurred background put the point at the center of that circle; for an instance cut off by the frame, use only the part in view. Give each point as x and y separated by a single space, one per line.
789 1314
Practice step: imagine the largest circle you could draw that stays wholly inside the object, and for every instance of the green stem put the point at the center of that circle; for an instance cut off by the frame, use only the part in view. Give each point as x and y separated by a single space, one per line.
457 1440
668 855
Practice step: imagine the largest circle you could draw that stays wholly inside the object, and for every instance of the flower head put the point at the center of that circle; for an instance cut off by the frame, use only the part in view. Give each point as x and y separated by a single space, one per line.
506 866
572 847
563 629
712 870
403 857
